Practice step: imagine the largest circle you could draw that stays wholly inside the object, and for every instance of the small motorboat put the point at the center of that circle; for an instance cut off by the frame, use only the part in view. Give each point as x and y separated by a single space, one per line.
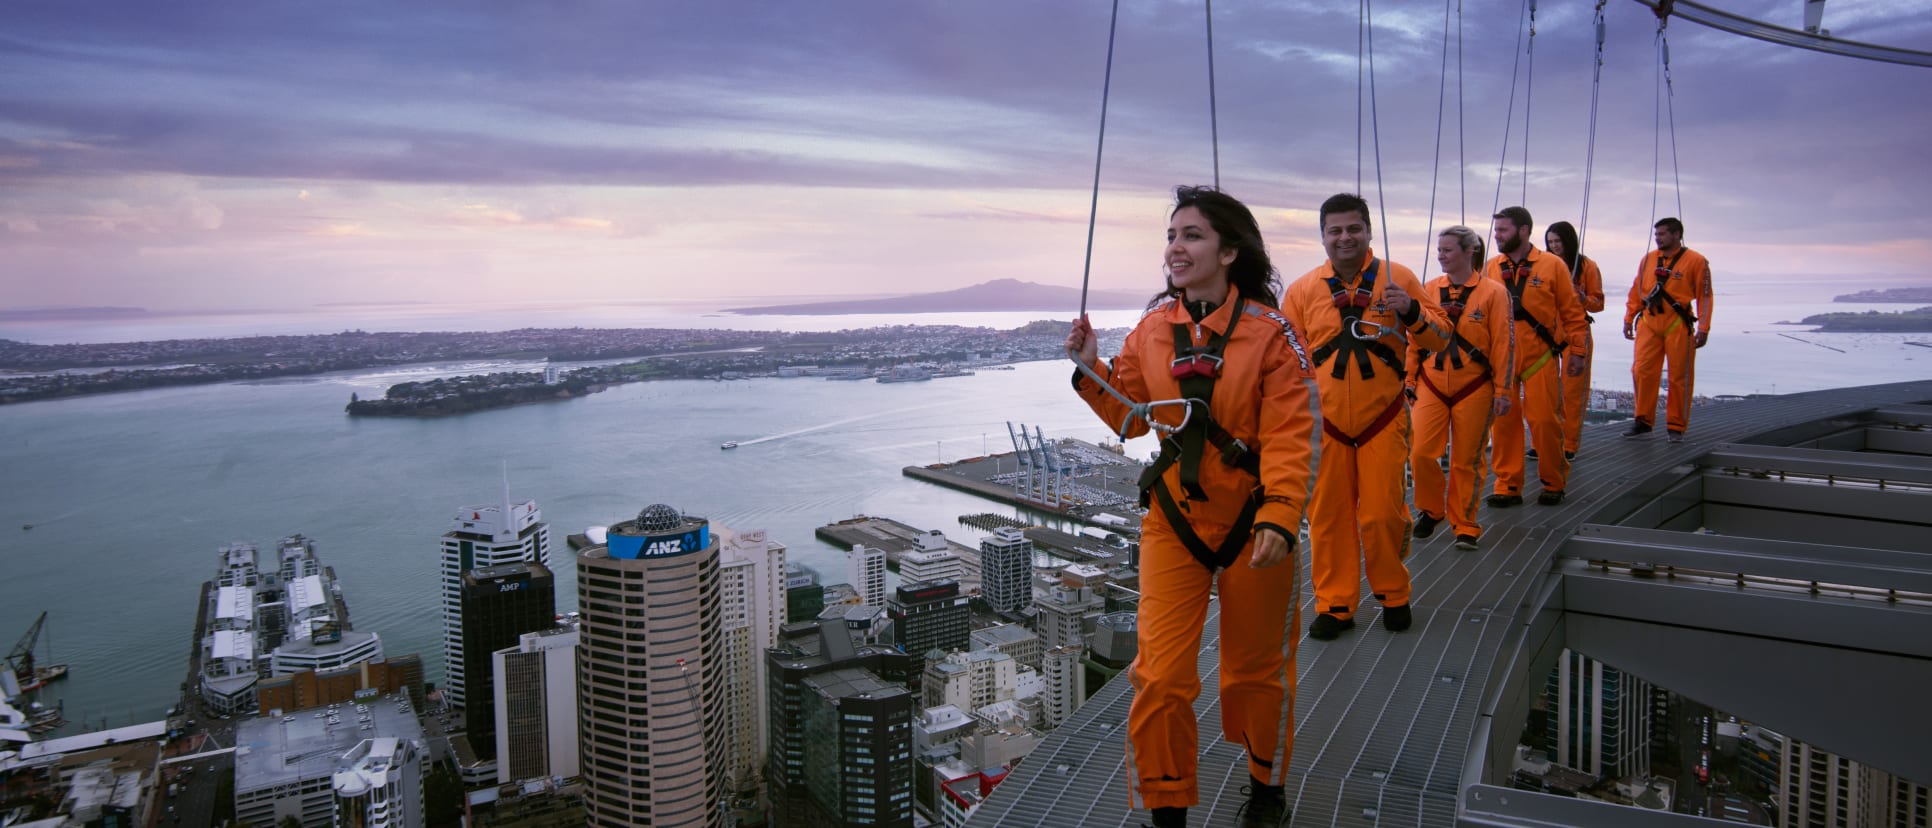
728 444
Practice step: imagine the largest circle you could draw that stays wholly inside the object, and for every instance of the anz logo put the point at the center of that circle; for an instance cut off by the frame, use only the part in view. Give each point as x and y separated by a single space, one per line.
664 547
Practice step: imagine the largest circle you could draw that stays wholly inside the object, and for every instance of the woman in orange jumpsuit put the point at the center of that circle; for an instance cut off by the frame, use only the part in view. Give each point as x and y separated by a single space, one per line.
1231 489
1561 241
1458 389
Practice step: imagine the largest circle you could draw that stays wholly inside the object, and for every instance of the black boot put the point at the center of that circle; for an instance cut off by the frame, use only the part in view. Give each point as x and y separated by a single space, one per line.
1170 818
1267 806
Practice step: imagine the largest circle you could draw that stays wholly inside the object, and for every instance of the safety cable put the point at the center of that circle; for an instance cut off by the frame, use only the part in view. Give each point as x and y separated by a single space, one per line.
1462 154
1670 107
1375 123
1360 7
1134 409
1100 148
1590 154
1509 120
1435 169
1214 118
1529 95
1656 132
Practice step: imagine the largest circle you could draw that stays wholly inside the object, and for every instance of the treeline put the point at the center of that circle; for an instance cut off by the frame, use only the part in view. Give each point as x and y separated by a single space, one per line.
1911 321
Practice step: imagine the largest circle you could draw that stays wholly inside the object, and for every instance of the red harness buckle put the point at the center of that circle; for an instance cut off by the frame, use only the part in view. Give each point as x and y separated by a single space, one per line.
1206 366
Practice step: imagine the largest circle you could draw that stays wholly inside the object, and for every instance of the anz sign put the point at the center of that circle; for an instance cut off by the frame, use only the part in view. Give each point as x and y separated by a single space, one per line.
631 547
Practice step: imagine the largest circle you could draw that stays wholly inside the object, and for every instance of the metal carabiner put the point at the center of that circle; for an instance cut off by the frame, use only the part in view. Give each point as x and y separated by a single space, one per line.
1377 331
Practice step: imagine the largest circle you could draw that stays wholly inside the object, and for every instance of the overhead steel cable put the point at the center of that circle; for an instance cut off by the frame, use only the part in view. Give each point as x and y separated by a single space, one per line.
1758 30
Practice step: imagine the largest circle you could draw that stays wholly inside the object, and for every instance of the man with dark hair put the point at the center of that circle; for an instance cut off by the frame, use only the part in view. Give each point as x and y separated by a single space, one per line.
1361 313
1549 325
1658 316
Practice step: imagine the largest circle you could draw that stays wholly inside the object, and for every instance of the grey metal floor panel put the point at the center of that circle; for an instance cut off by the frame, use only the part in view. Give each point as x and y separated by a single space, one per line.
1383 721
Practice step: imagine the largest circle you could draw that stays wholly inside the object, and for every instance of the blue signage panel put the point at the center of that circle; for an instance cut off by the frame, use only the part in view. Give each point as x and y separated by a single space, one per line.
631 547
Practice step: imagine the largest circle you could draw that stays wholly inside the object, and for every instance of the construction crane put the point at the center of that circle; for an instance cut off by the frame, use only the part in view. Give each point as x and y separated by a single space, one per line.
21 659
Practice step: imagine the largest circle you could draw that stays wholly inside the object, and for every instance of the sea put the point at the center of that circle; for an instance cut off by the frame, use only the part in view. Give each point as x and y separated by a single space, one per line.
130 495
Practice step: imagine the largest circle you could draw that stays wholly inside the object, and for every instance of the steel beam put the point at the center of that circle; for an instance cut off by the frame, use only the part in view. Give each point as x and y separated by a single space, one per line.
1818 462
1909 571
1899 440
1758 30
1905 415
1909 506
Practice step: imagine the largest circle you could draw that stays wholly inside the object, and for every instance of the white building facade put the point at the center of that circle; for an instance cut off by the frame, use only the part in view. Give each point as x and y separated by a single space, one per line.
479 537
536 706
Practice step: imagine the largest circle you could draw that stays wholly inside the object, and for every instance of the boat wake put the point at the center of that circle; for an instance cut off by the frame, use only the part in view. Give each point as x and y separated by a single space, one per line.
836 423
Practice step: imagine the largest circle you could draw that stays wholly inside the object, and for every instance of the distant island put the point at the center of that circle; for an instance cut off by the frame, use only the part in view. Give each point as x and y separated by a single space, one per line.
32 314
1904 294
31 372
1911 321
997 295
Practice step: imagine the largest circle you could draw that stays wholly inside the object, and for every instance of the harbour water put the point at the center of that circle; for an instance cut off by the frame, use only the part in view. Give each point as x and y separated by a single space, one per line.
131 494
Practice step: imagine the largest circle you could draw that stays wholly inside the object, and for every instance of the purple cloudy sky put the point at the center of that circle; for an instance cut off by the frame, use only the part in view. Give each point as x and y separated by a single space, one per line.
253 154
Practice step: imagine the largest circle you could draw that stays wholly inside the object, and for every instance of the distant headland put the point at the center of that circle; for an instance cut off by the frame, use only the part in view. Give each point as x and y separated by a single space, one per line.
1904 294
1911 321
996 295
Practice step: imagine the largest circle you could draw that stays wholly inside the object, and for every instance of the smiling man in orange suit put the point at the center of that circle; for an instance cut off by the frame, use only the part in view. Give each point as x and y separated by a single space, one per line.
1362 312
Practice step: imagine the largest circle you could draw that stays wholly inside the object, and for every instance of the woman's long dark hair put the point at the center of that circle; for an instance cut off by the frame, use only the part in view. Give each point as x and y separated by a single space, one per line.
1252 274
1572 252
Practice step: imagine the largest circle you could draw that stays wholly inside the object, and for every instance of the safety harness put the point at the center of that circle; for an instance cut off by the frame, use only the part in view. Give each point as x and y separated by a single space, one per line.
1453 301
1346 343
1350 305
1196 367
1659 298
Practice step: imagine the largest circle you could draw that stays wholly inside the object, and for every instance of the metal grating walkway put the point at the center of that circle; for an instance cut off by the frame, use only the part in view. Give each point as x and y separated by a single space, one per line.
1386 724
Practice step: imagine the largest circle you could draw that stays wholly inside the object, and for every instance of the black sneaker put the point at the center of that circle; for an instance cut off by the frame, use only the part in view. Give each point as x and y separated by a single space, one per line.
1676 436
1504 501
1425 524
1465 541
1267 806
1531 454
1396 619
1327 627
1549 498
1637 429
1569 455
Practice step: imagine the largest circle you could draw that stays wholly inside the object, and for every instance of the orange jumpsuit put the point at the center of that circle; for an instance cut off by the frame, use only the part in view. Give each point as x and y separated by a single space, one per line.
1663 336
1357 519
1265 398
1453 404
1550 299
1588 281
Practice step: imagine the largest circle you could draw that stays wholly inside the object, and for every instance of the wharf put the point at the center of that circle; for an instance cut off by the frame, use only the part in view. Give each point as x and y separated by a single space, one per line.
1099 481
1075 548
896 539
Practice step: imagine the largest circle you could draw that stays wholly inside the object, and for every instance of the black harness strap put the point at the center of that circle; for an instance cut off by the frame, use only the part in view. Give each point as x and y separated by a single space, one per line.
1515 275
1211 557
1197 387
1345 343
1453 302
1660 298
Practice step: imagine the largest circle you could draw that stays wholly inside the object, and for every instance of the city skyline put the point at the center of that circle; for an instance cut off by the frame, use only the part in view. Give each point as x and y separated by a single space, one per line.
286 156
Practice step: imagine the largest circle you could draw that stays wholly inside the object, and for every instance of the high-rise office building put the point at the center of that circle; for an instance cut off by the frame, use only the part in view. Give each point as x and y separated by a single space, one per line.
806 649
1066 685
932 560
929 616
970 680
1599 718
1068 613
752 586
804 597
380 785
1817 787
858 749
1006 570
866 569
650 674
536 706
500 604
482 536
